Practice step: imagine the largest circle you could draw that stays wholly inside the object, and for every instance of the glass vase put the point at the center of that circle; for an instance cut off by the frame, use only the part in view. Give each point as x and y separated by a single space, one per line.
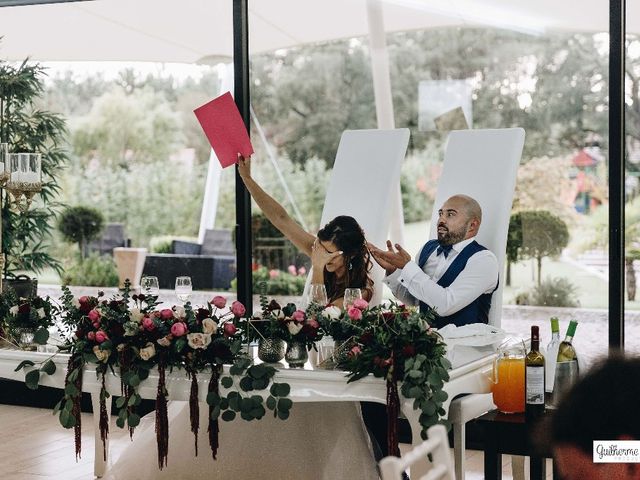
24 337
271 350
296 355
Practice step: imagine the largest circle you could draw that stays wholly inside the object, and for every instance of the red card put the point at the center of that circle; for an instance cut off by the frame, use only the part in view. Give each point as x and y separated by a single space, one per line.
224 128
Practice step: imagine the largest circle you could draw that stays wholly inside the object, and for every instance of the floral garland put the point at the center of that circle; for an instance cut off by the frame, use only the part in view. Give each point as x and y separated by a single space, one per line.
397 344
130 334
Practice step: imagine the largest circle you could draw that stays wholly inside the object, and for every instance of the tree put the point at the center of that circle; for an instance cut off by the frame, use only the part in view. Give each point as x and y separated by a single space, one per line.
514 243
27 128
542 235
80 225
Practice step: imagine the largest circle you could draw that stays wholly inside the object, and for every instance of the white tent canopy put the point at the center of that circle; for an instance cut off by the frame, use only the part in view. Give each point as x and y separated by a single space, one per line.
190 31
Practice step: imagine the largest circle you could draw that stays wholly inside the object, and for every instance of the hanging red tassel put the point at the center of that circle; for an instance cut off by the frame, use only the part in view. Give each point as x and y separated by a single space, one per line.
104 418
162 420
194 408
214 427
393 409
76 361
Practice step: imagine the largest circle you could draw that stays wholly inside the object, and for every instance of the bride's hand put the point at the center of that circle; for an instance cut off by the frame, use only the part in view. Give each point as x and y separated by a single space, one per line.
244 167
320 257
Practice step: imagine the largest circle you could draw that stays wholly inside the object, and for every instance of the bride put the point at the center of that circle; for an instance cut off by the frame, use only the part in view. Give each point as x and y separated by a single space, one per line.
320 440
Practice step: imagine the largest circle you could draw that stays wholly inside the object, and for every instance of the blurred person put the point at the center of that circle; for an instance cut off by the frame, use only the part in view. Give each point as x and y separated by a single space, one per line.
604 405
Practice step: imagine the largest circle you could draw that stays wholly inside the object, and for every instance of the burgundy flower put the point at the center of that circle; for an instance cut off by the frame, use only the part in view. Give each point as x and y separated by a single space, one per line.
117 329
366 338
230 330
201 314
408 350
219 301
238 309
220 350
24 308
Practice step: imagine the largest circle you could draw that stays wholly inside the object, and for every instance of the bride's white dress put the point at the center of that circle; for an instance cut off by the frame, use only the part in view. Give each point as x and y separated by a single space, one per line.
319 441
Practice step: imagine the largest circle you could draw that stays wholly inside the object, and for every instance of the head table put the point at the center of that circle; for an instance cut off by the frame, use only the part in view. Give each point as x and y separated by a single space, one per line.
307 385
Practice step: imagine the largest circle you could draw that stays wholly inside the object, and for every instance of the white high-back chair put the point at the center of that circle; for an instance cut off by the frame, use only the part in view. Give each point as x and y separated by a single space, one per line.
482 164
437 444
365 176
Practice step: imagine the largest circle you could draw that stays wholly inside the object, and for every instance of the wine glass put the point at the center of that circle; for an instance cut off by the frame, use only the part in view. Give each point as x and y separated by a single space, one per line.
183 288
318 294
150 286
350 296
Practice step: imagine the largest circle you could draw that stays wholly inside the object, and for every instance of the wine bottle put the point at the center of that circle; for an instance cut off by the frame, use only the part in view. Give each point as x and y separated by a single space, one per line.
566 352
534 377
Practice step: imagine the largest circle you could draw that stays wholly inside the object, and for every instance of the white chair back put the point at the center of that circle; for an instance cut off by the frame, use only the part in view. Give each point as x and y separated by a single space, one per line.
365 175
437 444
483 164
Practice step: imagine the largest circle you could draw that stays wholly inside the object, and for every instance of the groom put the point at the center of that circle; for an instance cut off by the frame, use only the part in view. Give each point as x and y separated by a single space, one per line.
454 274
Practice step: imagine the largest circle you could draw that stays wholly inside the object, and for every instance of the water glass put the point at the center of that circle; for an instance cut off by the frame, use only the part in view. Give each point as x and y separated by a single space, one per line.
350 296
150 286
318 294
183 288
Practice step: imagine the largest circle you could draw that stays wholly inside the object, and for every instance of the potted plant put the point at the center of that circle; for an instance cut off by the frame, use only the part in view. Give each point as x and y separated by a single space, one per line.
26 128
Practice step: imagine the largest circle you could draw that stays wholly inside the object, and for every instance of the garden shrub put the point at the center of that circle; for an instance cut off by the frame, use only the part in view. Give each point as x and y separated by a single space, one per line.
94 271
552 292
277 281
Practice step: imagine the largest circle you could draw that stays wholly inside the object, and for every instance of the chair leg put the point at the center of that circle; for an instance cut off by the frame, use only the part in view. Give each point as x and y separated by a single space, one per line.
459 449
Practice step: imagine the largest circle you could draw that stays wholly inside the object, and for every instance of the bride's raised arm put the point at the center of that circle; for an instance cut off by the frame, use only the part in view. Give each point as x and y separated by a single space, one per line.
276 214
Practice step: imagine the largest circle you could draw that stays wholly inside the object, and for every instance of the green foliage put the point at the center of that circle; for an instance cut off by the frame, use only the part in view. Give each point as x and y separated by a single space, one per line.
162 244
80 225
27 128
96 270
552 292
248 379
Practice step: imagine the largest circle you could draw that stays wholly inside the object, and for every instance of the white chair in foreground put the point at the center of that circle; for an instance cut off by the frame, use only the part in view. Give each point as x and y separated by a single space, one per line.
437 444
365 176
482 164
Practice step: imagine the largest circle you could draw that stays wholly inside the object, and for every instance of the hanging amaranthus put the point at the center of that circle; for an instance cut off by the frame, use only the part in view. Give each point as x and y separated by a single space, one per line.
162 420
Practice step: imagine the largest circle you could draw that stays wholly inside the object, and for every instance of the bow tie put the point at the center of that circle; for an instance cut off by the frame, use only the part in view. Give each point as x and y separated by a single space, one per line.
444 249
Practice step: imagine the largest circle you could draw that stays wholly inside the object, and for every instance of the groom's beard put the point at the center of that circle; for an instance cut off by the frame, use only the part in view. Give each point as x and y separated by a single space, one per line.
451 237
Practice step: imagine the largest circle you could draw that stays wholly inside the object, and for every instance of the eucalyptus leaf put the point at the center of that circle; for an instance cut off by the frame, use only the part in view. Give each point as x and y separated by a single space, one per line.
284 404
226 382
49 367
271 403
215 412
246 384
283 414
133 420
31 379
120 402
67 420
41 336
23 364
213 399
228 415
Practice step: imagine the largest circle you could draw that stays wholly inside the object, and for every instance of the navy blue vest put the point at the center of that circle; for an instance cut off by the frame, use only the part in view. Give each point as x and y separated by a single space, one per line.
478 310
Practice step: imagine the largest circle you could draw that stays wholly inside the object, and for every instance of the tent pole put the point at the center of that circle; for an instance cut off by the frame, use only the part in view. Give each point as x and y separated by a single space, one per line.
384 100
243 200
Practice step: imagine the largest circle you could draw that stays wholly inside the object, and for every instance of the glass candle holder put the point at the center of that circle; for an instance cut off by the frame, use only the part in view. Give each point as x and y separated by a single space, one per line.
4 153
25 178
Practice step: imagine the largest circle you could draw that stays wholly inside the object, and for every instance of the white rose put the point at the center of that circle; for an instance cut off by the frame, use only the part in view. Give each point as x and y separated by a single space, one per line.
179 311
41 313
148 351
14 310
101 355
294 327
135 315
279 314
198 340
164 342
75 302
332 312
209 325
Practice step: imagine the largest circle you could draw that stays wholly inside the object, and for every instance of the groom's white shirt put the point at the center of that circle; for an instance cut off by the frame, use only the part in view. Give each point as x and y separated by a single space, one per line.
413 284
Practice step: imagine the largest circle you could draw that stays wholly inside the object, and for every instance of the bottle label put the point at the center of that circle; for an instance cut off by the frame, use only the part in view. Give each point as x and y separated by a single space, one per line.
535 385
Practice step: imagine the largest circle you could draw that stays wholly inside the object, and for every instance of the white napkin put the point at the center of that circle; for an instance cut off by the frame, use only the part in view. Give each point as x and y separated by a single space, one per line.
473 335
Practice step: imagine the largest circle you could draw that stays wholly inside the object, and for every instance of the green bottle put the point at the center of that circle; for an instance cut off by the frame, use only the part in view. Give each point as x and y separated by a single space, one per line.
567 352
534 377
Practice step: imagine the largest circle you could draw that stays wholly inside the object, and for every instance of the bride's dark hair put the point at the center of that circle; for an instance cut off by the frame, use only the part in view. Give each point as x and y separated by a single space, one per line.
348 236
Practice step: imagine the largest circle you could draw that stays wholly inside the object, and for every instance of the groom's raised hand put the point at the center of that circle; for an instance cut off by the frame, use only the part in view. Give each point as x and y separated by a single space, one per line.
390 259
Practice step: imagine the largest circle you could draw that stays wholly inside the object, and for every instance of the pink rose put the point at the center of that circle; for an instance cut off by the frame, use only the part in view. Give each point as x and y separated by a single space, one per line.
354 313
83 299
96 325
298 316
360 304
94 315
355 351
238 309
166 314
91 336
302 271
148 324
230 329
273 274
101 336
292 270
219 301
178 329
313 323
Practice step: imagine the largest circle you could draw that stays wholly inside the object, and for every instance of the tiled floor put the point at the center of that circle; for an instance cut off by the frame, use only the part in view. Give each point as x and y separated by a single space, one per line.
36 447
